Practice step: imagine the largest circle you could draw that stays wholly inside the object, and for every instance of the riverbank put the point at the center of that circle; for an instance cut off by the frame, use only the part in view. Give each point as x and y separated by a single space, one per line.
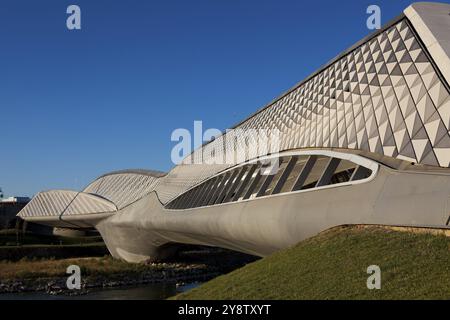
49 275
30 252
16 245
153 291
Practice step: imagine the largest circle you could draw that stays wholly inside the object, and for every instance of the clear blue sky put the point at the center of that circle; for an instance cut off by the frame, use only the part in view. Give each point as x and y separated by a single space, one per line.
77 104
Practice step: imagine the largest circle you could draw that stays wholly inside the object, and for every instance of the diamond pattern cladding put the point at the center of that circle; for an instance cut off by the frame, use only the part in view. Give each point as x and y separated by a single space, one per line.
383 97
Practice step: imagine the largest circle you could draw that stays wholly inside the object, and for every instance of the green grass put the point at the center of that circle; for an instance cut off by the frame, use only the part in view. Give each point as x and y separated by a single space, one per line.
333 265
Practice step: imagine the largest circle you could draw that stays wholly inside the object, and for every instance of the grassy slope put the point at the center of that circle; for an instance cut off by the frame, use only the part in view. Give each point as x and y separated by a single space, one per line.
333 265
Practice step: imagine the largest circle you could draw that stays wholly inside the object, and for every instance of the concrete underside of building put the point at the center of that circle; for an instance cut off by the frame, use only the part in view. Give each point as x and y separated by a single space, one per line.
364 140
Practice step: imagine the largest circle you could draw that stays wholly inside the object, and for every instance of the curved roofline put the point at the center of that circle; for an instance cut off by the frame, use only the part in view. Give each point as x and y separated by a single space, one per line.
145 172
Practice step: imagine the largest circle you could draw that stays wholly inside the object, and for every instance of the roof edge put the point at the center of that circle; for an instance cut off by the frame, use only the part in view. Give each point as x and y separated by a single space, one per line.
431 21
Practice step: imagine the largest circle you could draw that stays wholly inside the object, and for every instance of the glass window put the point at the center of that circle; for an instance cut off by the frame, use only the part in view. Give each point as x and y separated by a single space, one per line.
316 172
292 178
283 162
256 185
248 182
210 192
361 173
234 184
217 188
343 172
237 182
226 186
202 189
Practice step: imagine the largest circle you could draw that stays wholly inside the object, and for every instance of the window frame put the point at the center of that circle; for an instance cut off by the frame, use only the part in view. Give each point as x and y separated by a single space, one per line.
358 160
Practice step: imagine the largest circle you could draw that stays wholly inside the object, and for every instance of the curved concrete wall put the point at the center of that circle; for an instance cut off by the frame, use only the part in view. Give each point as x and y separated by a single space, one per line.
264 225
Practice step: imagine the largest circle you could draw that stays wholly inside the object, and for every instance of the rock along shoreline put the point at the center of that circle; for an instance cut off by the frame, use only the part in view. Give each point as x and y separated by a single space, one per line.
193 266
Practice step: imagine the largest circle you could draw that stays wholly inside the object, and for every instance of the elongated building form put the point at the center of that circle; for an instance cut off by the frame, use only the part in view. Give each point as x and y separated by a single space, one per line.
364 140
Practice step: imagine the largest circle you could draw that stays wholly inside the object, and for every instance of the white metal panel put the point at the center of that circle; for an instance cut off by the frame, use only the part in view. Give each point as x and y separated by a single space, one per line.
67 202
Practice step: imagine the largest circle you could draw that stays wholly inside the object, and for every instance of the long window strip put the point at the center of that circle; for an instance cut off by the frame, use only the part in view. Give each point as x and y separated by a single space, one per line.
203 191
267 180
177 202
192 196
292 178
203 202
360 172
268 177
171 204
196 194
304 173
260 185
342 176
223 187
236 184
183 201
282 163
229 186
244 183
287 171
249 182
326 175
253 185
316 172
343 172
216 190
241 182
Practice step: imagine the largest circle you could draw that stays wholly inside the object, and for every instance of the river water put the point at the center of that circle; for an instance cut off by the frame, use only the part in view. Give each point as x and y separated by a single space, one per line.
154 291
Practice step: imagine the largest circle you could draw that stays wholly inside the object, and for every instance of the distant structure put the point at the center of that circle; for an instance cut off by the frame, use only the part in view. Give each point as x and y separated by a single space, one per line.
15 200
9 208
364 140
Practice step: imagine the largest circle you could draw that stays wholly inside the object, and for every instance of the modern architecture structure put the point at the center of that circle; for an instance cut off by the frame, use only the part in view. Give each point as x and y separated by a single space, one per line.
364 140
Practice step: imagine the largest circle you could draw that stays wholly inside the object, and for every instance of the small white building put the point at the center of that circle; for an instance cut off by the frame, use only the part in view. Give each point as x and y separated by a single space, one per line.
15 200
